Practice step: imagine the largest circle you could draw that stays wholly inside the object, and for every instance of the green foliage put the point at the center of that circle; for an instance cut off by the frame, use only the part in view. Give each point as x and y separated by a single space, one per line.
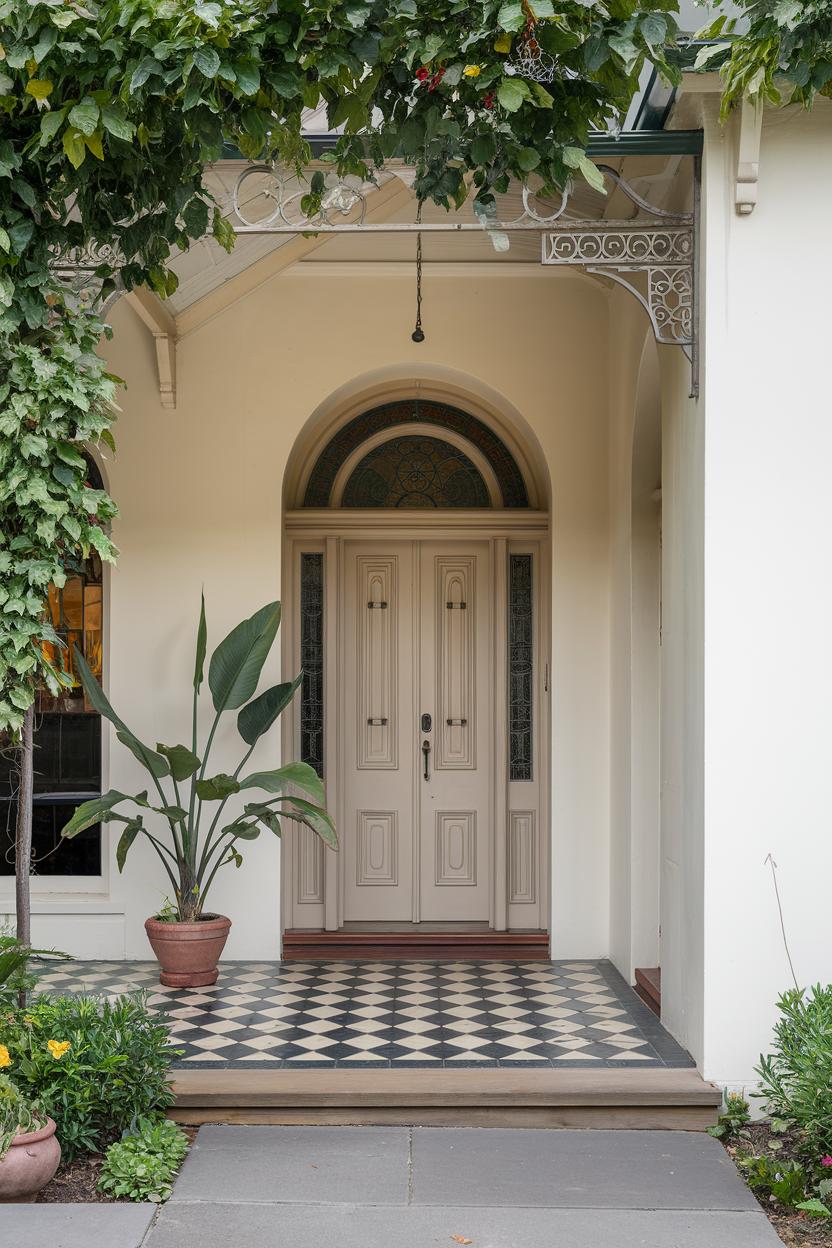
193 856
796 1077
784 53
18 1114
143 1165
733 1119
110 110
14 966
56 398
772 1176
95 1065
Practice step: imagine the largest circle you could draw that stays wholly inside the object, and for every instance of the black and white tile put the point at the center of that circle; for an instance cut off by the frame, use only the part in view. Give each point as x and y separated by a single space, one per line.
396 1013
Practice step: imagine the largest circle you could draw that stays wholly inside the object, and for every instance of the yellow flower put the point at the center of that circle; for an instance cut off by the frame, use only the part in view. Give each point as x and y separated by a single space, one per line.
5 1059
57 1048
471 71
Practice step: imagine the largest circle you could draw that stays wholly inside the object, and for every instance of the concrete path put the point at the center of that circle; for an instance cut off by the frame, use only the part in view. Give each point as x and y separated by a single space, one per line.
75 1226
391 1187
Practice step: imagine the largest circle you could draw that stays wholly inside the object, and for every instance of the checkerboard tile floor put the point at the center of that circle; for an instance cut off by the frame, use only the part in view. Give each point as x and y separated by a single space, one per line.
396 1013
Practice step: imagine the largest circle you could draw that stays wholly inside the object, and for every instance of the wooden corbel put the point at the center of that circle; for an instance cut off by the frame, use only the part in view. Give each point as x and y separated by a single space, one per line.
153 313
748 157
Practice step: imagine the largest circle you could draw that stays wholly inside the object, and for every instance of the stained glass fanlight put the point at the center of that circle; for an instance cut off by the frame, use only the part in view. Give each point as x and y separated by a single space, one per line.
416 471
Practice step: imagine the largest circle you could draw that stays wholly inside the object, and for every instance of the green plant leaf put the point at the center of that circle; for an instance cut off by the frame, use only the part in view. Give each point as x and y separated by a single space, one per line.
511 93
183 762
128 836
207 61
84 116
511 16
815 1208
301 775
245 831
238 660
314 817
201 645
155 764
90 812
74 147
217 787
115 122
258 716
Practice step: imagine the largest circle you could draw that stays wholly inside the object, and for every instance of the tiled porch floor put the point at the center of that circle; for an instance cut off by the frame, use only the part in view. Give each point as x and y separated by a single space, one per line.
291 1014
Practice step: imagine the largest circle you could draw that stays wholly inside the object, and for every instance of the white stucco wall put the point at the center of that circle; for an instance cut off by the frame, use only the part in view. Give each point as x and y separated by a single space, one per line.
199 491
767 595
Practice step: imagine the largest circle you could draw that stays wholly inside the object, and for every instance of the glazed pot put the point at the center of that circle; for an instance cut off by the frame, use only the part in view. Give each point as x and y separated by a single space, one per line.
188 953
29 1164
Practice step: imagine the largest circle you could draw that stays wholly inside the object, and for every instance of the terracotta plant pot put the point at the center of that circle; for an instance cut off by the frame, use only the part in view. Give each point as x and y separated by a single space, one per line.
188 953
29 1164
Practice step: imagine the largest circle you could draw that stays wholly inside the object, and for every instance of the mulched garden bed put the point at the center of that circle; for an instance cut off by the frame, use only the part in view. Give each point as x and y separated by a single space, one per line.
796 1229
77 1181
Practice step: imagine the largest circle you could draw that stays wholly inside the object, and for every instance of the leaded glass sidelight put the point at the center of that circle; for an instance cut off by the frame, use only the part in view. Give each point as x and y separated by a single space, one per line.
520 666
312 659
416 471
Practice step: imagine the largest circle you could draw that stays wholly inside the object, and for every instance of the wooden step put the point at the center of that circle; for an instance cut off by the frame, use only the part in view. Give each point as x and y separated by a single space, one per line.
648 985
656 1098
419 946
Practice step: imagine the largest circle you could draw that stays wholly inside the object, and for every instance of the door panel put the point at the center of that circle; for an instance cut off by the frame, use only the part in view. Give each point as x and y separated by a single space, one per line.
454 688
378 718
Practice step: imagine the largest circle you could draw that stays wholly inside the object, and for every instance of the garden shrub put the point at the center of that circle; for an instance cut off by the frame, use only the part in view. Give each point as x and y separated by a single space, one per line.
143 1165
18 1114
96 1065
796 1076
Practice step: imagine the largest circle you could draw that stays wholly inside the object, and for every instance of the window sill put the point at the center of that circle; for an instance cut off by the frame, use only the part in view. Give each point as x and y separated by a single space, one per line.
66 904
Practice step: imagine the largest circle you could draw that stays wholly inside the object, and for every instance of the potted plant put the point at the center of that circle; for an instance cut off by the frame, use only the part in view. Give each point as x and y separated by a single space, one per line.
188 940
29 1148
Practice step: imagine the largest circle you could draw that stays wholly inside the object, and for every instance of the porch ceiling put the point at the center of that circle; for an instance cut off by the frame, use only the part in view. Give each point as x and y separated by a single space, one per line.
206 267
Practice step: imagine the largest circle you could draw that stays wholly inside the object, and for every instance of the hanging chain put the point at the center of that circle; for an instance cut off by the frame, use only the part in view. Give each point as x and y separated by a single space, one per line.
418 334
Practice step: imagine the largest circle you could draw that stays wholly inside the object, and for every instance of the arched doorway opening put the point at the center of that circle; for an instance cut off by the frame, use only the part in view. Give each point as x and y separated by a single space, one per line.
417 567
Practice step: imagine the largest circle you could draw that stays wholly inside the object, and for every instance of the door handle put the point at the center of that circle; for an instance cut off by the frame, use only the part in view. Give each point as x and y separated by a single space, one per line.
426 753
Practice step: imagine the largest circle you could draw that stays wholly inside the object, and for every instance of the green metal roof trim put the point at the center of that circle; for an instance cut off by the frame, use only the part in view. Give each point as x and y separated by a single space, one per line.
626 143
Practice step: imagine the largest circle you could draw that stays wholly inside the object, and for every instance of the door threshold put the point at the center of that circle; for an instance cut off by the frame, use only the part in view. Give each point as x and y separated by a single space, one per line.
432 946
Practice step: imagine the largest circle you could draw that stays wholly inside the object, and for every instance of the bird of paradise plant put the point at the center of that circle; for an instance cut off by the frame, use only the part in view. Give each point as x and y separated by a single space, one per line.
189 800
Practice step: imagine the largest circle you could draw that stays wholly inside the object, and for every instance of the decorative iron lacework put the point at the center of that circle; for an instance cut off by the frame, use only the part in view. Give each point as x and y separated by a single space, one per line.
389 416
312 660
415 471
520 660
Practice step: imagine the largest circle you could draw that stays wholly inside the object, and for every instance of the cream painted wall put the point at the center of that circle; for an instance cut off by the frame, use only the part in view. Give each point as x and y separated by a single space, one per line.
768 594
635 475
200 501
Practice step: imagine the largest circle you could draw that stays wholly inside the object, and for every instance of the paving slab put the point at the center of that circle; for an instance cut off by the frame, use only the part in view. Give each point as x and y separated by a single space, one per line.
361 1165
74 1226
575 1169
183 1225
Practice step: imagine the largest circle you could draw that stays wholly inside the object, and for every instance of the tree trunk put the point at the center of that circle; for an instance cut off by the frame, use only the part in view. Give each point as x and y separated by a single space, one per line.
23 831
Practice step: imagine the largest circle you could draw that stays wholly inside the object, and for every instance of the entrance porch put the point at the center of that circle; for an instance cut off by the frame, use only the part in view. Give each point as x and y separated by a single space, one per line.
494 1043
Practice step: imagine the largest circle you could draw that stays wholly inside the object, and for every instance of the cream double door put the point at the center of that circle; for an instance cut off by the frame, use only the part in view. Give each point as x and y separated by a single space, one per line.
416 716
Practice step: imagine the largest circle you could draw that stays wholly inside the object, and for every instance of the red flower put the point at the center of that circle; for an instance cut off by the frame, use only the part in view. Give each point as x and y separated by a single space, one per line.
422 74
826 1161
488 100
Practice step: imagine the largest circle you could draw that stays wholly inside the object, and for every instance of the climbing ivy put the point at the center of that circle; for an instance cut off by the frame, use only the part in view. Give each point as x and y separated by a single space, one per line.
777 51
109 113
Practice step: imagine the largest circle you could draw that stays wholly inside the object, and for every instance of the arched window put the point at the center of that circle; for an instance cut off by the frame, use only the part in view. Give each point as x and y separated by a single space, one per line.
67 735
431 464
